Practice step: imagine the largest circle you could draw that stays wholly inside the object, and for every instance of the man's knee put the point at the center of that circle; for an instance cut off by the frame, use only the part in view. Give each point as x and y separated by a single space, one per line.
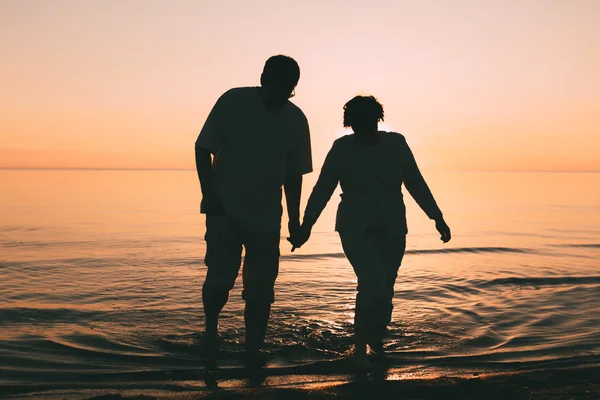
259 284
261 267
259 295
217 283
223 261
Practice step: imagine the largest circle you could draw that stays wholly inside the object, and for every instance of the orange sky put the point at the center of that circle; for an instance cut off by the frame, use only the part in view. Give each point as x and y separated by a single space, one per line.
478 85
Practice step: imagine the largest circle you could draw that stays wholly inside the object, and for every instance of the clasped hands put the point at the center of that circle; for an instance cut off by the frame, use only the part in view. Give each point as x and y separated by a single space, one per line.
299 234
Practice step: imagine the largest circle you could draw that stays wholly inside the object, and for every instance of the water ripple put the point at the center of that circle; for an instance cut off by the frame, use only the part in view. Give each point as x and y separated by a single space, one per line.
474 250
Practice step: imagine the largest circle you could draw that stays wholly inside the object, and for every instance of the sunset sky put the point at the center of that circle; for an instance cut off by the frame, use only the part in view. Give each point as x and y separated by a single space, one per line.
473 84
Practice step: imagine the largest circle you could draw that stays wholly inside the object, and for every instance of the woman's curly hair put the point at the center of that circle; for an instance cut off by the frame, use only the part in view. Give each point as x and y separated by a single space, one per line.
362 110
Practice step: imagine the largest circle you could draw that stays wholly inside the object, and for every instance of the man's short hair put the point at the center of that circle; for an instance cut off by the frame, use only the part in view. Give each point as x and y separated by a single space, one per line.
281 69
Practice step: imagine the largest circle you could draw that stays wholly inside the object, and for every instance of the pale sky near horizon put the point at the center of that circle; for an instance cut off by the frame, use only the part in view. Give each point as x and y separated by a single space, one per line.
475 85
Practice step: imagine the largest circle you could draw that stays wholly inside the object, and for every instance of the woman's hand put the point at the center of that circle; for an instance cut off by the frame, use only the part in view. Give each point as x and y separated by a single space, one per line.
443 228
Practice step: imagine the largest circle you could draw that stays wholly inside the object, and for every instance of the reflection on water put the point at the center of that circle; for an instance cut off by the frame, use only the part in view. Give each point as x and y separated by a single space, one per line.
101 275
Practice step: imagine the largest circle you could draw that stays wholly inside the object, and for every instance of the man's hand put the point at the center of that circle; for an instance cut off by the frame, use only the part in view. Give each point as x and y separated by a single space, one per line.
443 229
211 204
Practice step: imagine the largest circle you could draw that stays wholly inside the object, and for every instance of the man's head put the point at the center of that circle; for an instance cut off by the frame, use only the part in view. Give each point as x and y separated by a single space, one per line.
362 114
279 78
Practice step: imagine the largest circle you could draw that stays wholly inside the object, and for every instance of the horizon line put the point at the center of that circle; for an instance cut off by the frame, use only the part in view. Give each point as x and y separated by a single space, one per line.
91 169
193 169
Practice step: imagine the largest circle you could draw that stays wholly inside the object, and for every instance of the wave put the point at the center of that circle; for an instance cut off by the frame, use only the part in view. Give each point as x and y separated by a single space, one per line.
474 250
540 281
584 245
40 315
78 315
40 244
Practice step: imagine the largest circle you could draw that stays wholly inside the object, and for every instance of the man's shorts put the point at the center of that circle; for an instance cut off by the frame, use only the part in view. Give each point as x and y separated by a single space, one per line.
225 237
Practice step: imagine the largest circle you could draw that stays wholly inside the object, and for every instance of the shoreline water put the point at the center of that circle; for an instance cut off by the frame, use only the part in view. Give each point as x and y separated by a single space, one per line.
102 295
547 384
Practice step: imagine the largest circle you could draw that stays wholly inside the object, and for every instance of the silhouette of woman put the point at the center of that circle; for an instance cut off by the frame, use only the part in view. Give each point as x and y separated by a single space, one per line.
370 166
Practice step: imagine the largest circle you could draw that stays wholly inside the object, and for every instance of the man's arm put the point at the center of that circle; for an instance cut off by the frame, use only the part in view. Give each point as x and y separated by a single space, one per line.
211 203
204 168
209 142
293 192
299 163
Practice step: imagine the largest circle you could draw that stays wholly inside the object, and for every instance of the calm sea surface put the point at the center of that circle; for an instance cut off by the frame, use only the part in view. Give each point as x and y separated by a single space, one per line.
101 274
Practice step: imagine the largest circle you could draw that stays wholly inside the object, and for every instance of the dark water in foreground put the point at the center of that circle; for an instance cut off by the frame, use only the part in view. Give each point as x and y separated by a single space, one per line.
101 275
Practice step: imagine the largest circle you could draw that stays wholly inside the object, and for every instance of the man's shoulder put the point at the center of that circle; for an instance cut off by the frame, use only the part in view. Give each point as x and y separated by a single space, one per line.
236 93
295 112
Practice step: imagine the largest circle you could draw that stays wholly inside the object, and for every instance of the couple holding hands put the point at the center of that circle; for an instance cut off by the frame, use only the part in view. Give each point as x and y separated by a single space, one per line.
253 143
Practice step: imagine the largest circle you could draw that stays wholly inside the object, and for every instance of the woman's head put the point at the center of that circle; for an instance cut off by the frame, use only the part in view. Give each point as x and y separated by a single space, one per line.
362 113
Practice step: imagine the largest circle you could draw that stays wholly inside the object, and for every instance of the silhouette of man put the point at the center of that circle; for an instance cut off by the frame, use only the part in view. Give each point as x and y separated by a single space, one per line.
259 142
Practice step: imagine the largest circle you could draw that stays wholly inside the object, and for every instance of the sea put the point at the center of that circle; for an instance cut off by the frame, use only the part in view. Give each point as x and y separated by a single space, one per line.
101 274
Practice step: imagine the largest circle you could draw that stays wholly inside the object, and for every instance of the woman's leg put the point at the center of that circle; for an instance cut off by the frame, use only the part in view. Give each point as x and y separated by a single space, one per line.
363 254
391 250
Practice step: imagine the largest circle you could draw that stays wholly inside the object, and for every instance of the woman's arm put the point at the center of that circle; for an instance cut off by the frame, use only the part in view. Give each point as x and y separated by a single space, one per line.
418 189
416 185
324 188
